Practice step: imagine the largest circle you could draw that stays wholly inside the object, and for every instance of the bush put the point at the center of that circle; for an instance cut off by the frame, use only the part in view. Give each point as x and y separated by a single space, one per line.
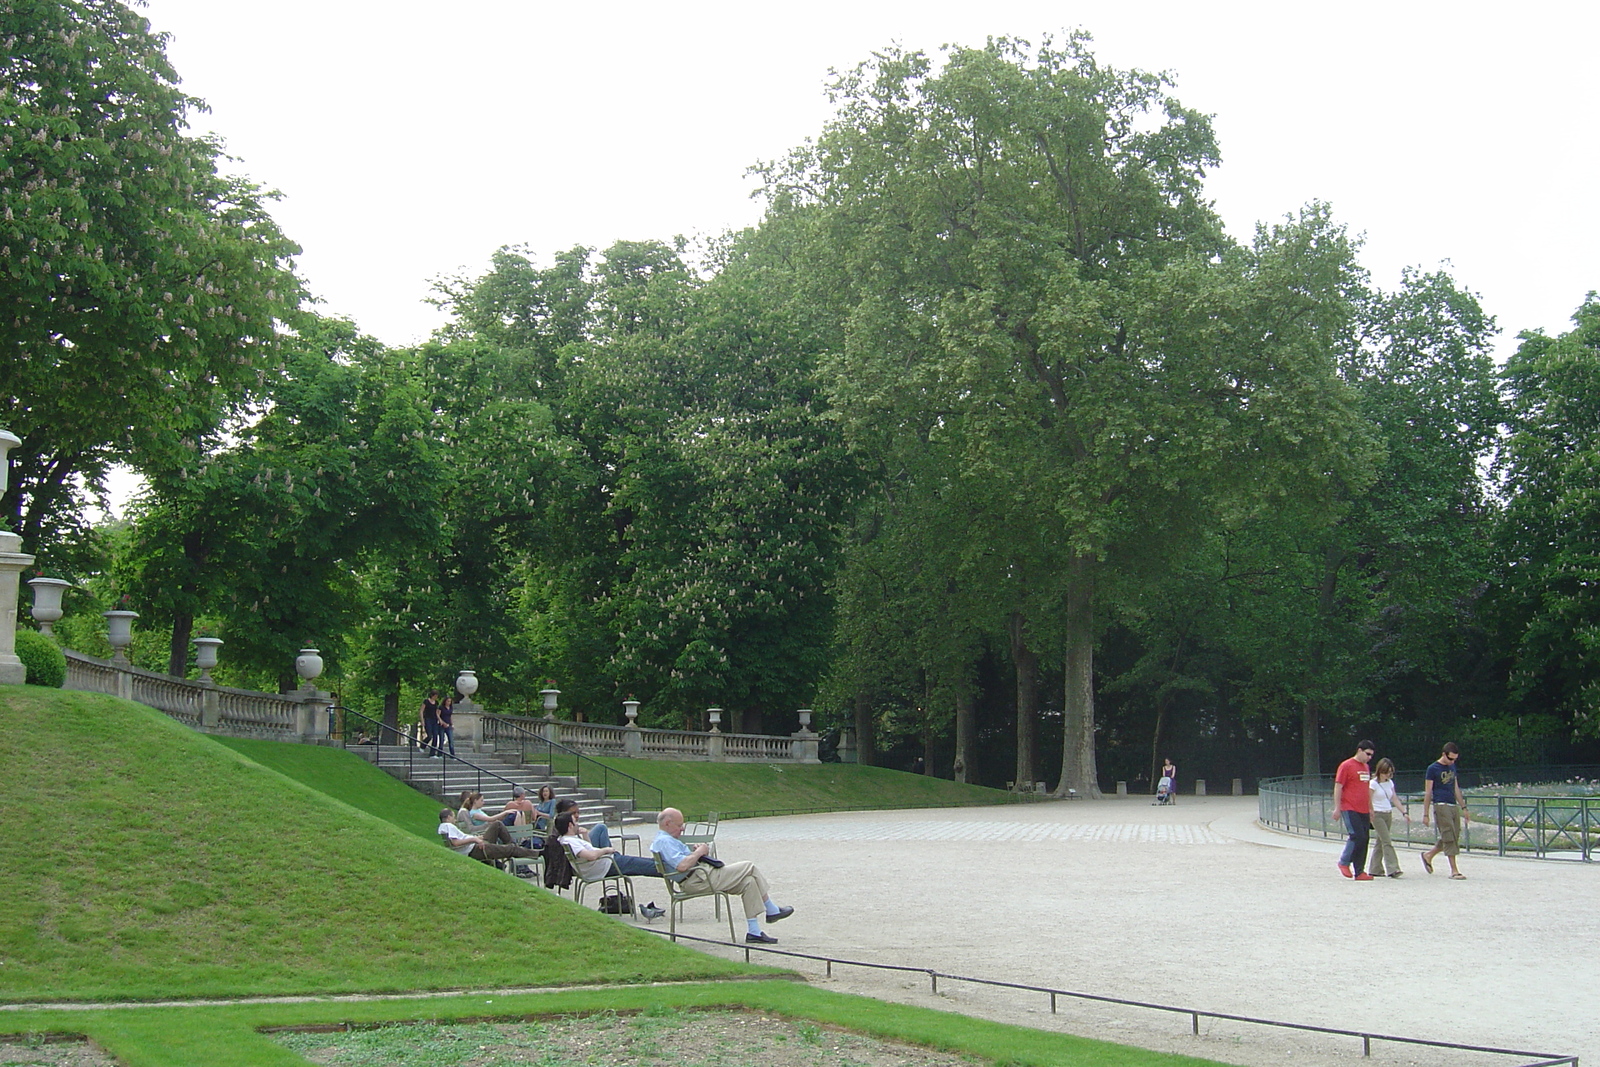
46 664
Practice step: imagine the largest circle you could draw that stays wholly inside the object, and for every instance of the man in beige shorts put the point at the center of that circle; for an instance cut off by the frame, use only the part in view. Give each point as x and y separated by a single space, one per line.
1442 793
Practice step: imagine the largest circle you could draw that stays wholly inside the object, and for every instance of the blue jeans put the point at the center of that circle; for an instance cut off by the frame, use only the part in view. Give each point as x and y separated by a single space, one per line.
446 733
632 866
1358 824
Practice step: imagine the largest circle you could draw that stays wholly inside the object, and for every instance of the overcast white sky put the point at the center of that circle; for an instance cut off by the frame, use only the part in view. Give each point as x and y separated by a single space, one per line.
410 140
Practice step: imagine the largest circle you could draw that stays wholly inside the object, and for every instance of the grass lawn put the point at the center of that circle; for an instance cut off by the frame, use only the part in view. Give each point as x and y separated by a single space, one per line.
699 787
227 1035
353 780
143 860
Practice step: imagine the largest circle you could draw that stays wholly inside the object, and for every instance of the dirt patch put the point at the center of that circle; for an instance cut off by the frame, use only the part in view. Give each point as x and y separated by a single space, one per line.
53 1053
654 1039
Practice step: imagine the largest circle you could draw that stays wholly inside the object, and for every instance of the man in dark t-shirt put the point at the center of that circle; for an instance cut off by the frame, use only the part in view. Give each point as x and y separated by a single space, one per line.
1442 793
1352 804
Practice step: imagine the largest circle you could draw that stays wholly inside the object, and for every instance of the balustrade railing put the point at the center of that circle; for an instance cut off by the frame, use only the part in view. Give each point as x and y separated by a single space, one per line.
599 739
212 708
529 738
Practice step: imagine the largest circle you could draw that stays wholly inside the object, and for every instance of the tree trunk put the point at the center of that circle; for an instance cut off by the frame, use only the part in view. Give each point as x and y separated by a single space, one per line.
391 703
1027 664
966 730
1155 739
1078 770
178 650
1310 739
866 736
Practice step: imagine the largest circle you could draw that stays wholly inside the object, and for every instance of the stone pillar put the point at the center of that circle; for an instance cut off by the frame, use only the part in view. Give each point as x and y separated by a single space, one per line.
311 723
1199 787
847 745
1238 787
1122 789
210 705
468 720
12 564
716 746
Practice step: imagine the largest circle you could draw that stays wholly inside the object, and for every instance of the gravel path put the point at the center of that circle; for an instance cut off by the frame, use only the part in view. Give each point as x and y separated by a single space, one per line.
1194 906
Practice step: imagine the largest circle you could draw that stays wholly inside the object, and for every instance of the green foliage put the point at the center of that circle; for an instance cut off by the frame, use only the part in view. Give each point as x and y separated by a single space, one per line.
46 664
1550 471
143 285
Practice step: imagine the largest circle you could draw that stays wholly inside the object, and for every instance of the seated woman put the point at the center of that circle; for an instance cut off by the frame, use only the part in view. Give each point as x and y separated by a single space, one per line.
471 817
546 807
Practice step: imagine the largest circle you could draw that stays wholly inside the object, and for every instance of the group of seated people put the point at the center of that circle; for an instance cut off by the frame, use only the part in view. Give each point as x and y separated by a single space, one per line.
595 857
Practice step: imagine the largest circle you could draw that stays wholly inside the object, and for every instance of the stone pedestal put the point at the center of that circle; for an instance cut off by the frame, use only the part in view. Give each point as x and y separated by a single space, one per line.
312 721
12 564
1122 789
1238 787
1199 787
847 745
468 720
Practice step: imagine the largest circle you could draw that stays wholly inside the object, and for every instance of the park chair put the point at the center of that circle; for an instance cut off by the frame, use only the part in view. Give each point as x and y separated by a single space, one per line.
622 883
703 832
677 893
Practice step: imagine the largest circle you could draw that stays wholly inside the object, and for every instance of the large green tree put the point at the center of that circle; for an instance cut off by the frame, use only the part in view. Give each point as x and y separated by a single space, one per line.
141 286
1028 269
1550 537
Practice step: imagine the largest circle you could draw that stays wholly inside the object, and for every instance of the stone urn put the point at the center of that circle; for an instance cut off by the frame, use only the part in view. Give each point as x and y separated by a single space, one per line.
467 684
119 633
205 655
630 711
805 722
715 715
550 696
47 594
308 665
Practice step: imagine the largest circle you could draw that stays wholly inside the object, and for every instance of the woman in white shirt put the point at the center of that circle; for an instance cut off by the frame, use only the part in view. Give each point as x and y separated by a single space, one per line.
1384 801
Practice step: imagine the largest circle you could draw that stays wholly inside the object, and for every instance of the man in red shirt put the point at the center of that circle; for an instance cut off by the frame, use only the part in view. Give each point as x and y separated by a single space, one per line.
1352 803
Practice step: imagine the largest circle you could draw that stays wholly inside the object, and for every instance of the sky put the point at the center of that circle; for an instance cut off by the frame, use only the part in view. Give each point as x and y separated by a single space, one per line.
411 140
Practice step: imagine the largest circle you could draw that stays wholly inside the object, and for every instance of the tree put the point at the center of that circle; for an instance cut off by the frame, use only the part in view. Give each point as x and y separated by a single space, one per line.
142 286
1550 472
1029 272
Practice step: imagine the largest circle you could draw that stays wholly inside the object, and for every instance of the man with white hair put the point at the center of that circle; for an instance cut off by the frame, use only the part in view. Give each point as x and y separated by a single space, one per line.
697 871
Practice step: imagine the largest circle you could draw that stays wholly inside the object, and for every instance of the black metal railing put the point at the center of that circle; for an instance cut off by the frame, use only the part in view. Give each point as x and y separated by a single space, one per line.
569 762
1532 1059
427 768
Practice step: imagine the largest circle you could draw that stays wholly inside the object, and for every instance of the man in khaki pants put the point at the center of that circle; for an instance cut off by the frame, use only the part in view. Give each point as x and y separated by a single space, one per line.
696 870
1442 792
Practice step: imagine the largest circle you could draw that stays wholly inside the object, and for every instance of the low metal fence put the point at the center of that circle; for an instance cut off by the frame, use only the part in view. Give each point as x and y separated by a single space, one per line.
1530 1059
1541 827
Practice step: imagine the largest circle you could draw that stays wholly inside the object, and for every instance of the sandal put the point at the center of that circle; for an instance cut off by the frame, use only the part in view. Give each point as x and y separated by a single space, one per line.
1460 876
1427 866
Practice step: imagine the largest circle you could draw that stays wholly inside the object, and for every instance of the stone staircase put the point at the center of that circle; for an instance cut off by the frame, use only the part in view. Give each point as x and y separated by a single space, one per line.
494 774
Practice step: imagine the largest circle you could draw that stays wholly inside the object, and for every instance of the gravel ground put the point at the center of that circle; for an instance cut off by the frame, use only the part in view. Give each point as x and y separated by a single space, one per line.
1194 906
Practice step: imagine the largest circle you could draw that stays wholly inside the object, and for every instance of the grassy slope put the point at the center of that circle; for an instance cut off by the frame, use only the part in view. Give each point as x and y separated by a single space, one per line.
725 787
140 859
347 778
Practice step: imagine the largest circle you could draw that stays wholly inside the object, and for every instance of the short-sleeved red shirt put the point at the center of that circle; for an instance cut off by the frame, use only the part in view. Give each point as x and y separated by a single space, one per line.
1354 776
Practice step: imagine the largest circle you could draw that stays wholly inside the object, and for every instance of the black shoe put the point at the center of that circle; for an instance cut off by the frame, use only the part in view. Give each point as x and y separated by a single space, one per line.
781 913
760 939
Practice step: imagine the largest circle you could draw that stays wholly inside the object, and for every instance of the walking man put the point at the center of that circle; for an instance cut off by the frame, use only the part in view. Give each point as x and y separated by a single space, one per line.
1352 803
1442 793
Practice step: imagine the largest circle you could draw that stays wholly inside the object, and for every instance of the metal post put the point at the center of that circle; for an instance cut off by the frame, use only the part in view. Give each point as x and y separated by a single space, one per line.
1052 1003
1366 1046
934 978
1194 1023
1500 808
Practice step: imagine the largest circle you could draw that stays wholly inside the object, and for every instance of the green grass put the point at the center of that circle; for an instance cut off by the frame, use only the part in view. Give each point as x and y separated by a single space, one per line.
348 778
141 860
698 787
227 1035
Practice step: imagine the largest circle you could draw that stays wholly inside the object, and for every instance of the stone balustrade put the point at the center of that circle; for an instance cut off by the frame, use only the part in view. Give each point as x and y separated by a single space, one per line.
214 709
596 739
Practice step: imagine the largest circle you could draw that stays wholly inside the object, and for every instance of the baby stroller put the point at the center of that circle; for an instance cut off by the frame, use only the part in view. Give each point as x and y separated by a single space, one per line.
1164 793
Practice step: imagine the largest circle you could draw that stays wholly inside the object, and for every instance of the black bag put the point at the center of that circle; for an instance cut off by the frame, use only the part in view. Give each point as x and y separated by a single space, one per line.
711 861
616 904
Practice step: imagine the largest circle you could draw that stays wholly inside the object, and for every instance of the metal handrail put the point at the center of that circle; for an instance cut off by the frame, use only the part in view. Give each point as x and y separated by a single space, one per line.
637 788
395 737
1540 1059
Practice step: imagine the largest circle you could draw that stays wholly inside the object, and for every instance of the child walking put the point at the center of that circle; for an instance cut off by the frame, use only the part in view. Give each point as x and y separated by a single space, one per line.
1384 801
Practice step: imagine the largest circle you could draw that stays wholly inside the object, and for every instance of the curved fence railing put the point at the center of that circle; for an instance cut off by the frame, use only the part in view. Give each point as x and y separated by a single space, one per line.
1542 827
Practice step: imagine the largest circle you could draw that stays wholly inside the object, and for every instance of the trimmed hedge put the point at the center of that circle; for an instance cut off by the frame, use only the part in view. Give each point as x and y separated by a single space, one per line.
47 665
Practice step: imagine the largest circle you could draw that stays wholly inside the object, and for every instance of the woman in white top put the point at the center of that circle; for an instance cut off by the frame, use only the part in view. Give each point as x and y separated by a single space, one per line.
1384 801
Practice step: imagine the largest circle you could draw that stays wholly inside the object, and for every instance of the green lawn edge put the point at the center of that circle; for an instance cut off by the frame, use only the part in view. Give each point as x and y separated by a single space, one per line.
229 1035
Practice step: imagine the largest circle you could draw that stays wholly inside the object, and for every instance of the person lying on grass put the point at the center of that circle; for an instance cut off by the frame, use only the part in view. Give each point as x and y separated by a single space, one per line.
698 873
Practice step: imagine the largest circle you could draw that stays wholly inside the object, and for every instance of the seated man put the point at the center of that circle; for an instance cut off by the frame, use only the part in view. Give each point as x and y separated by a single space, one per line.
598 837
494 843
697 874
595 860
